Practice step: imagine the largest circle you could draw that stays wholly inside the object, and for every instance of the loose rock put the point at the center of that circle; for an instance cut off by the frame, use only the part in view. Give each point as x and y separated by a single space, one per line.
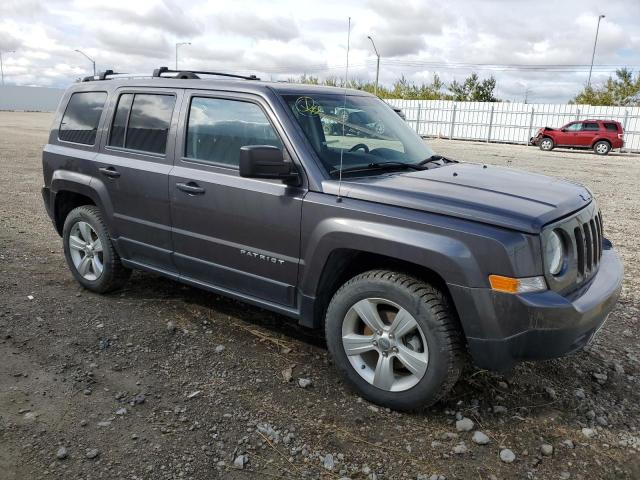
240 461
92 453
546 449
61 454
589 432
460 449
480 438
464 425
328 462
220 349
304 382
507 456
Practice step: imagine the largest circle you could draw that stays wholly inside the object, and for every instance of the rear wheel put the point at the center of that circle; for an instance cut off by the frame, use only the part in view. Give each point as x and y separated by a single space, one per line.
89 252
395 339
602 147
546 144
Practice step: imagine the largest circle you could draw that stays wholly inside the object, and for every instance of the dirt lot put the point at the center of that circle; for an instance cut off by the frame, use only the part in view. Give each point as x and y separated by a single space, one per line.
162 381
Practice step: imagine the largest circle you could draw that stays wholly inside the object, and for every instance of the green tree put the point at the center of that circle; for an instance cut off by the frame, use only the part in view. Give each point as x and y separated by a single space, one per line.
473 89
621 91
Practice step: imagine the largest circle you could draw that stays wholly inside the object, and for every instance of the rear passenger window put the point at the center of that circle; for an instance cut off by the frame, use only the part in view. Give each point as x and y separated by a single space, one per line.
591 126
217 128
81 118
142 121
611 127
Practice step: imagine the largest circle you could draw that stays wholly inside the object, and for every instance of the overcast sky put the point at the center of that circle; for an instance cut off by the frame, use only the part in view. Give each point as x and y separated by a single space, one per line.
278 39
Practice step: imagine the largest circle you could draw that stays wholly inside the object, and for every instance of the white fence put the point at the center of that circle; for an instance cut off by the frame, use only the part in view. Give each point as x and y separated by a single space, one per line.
508 122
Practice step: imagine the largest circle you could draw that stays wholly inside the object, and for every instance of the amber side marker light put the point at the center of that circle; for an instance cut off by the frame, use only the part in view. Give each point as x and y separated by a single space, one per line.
517 285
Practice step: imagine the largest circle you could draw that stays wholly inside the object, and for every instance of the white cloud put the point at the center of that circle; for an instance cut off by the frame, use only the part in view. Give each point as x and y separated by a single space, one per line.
282 38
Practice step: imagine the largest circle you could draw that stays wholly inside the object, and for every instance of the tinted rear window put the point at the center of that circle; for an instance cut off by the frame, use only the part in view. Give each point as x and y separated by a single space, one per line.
120 120
590 126
612 127
81 118
149 123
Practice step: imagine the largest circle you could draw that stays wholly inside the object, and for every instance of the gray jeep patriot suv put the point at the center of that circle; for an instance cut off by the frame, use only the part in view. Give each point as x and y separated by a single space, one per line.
322 204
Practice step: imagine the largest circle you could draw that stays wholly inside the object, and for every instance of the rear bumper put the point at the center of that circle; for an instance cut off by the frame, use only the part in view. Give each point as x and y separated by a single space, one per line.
503 329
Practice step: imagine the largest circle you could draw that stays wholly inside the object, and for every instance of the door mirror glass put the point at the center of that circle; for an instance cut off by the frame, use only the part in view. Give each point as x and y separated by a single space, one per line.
265 161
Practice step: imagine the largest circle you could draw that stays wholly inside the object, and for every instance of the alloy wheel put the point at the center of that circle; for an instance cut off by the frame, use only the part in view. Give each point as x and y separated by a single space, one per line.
86 251
385 344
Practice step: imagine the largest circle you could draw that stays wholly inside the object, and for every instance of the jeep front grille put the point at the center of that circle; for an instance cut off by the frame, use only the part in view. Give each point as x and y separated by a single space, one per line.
588 242
583 236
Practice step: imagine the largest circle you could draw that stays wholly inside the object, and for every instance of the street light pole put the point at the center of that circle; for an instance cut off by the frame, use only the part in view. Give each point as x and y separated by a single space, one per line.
377 64
93 62
600 17
2 66
177 45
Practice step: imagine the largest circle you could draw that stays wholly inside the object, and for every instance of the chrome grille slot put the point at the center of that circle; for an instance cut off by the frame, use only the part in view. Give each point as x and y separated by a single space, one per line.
594 237
580 252
588 242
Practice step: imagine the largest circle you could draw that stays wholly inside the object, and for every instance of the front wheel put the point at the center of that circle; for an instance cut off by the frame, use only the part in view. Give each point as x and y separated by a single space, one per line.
395 339
546 144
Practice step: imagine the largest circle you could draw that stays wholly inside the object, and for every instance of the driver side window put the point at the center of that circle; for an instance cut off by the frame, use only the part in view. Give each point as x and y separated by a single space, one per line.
574 127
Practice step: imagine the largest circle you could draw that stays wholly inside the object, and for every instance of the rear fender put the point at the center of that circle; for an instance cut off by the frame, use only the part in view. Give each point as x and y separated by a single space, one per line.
69 181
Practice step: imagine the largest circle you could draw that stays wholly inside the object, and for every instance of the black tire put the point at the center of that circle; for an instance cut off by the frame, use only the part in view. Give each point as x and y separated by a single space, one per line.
602 147
547 144
435 317
114 275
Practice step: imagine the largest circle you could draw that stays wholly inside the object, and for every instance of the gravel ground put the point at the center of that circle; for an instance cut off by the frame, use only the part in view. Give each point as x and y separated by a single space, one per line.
163 381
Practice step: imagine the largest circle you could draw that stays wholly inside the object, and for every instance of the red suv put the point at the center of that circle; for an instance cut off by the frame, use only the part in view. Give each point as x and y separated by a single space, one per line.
600 135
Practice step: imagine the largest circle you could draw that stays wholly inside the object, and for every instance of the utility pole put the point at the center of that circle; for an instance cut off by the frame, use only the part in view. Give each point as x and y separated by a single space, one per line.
93 62
178 45
2 66
377 64
600 17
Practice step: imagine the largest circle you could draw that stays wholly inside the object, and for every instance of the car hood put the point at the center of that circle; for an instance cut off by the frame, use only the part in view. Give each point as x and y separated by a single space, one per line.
499 196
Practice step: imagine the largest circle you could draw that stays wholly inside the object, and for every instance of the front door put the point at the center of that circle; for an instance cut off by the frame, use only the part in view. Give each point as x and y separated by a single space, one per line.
238 234
569 134
134 166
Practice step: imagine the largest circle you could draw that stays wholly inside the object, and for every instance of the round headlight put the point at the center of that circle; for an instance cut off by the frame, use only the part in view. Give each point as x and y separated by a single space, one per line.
554 251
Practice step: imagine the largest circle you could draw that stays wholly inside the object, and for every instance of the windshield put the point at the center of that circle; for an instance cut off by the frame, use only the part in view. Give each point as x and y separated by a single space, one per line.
363 130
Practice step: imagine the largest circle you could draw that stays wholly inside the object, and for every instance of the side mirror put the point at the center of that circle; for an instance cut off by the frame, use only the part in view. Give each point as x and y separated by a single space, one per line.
563 130
265 161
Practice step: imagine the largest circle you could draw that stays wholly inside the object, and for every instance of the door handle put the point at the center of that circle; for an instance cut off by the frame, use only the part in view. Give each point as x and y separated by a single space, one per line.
109 172
191 188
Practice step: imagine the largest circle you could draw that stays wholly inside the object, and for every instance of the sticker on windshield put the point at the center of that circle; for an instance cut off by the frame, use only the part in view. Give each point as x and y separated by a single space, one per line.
307 106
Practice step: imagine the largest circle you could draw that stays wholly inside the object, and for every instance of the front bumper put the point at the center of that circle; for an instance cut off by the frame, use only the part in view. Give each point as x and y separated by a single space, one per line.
46 198
503 329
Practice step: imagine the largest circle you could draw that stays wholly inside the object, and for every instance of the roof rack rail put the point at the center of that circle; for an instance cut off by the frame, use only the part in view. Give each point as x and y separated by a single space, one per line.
193 74
101 76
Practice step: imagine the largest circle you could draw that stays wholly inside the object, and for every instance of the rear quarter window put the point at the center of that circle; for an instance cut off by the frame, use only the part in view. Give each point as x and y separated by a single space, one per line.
81 117
611 127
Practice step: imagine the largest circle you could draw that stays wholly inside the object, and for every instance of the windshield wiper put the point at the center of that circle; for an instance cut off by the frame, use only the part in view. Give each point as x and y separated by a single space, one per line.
435 158
379 166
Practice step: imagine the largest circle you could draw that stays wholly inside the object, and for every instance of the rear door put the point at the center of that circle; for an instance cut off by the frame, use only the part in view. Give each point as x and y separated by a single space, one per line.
238 234
588 133
134 165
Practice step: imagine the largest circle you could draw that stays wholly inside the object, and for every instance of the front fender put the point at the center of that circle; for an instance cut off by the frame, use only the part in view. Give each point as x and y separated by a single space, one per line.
448 257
